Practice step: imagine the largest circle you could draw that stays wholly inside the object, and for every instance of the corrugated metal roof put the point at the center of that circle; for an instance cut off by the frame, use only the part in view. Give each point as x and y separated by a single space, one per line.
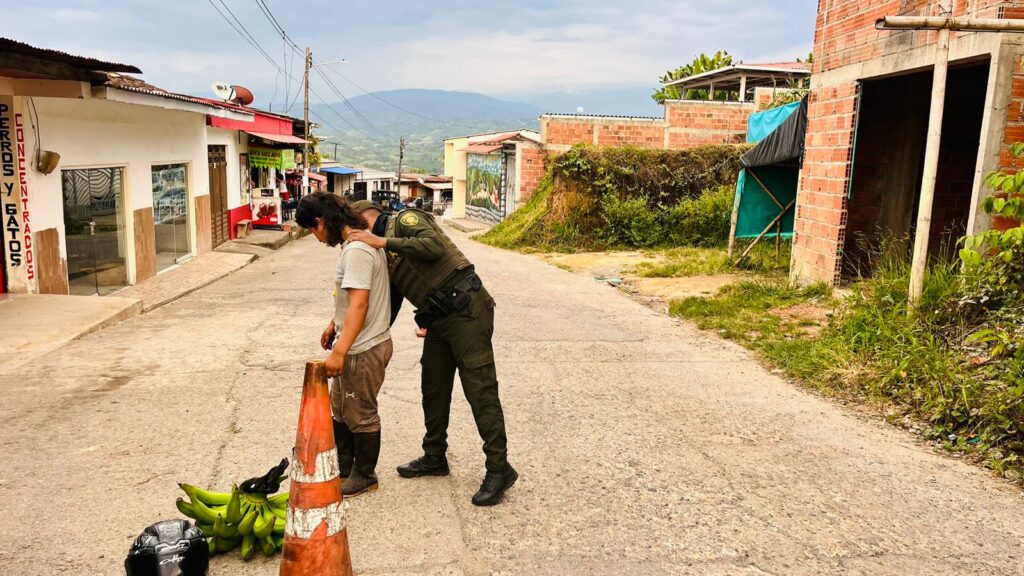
80 62
342 170
609 116
132 84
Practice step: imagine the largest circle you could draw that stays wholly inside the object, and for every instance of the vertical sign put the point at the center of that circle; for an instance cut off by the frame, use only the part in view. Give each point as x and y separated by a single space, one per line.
17 227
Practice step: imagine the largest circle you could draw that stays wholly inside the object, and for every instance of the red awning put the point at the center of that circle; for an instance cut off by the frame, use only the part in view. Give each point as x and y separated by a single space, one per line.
481 148
312 176
282 138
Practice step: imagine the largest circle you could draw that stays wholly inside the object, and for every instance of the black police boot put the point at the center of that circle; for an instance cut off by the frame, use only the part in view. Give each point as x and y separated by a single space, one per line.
364 476
425 465
494 486
344 441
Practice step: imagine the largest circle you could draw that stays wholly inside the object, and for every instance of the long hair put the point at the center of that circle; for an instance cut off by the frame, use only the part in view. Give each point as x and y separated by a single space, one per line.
335 211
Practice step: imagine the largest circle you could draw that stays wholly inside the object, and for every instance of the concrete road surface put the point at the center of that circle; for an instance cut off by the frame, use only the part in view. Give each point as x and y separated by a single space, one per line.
644 446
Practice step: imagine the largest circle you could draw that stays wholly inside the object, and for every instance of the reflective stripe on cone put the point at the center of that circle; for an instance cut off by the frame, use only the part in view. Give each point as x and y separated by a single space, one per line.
315 541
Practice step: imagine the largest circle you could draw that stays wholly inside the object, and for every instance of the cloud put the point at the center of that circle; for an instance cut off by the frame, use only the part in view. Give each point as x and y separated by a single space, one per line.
532 46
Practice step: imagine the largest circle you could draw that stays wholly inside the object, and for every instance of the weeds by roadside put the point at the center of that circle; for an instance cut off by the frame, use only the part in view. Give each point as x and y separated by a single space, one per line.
925 369
689 261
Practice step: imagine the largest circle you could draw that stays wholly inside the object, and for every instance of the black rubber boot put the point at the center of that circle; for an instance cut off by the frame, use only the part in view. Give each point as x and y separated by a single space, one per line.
494 486
425 465
344 441
364 476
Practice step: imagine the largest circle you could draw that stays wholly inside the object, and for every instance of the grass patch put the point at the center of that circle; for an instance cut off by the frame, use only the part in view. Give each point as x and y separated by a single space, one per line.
694 261
928 370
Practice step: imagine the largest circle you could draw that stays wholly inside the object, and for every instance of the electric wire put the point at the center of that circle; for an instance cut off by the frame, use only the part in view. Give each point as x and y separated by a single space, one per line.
401 108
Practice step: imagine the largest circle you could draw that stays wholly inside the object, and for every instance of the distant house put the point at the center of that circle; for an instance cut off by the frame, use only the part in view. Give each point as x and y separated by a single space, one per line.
430 193
340 179
492 174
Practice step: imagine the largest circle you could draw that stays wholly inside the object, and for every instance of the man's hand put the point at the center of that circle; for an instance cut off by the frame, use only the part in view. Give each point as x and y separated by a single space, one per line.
368 237
328 336
335 364
421 332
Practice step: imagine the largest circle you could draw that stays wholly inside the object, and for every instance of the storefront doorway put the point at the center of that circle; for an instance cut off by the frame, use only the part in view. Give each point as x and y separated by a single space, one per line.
219 213
94 230
170 214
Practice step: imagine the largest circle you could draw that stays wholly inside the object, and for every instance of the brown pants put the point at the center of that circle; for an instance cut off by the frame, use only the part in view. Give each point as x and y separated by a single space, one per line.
354 393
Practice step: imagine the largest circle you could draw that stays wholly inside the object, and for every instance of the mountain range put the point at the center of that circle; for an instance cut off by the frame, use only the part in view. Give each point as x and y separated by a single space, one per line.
365 130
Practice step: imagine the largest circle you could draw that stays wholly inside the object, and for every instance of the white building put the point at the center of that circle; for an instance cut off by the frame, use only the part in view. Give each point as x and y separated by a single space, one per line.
109 180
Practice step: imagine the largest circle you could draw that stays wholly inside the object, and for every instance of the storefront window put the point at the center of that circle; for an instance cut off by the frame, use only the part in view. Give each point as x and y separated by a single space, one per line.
94 230
170 214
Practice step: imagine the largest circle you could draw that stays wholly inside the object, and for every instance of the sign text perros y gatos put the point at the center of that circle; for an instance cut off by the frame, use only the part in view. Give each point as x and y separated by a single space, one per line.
17 226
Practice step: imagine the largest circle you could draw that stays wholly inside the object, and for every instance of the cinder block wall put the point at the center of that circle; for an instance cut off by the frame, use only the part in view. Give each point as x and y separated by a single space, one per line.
847 48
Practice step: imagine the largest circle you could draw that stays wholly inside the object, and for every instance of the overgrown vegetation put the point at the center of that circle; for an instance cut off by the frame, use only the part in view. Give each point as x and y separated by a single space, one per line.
952 367
693 261
597 198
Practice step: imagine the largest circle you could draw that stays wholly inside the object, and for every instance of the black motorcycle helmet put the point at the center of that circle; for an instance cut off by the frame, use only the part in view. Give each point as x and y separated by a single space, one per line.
169 548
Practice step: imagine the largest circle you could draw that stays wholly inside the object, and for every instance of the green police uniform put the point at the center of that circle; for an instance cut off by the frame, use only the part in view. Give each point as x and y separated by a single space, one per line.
434 275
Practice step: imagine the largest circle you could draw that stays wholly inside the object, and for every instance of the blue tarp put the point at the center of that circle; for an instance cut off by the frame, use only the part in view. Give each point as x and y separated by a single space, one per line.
761 124
343 170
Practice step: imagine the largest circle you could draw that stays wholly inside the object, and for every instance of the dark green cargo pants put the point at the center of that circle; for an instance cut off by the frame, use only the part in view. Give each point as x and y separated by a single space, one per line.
463 341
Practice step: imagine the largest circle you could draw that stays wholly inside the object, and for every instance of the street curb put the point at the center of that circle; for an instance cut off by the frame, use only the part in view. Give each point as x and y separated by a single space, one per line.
149 308
131 311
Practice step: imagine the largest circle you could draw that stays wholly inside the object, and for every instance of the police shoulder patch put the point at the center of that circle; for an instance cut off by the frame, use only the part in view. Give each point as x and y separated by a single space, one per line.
410 219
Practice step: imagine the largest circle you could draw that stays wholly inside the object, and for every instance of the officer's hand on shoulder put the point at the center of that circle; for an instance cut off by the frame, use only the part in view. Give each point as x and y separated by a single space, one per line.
367 237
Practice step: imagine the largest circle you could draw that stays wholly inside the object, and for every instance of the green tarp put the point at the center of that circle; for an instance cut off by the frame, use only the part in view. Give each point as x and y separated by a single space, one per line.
757 209
779 134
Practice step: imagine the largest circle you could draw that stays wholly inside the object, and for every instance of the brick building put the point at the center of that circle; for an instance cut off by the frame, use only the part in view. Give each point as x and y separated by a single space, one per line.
868 122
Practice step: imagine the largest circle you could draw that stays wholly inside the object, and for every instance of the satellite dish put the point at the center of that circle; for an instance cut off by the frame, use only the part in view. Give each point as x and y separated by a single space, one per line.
224 91
243 95
232 93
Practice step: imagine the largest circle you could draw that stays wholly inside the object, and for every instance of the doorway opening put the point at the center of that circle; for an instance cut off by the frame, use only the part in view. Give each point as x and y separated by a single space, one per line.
94 230
888 162
170 214
220 214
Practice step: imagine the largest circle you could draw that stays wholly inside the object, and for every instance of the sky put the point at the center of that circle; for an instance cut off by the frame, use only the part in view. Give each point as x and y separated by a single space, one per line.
522 50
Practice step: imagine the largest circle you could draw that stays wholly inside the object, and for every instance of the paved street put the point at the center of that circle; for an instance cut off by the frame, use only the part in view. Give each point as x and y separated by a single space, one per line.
644 446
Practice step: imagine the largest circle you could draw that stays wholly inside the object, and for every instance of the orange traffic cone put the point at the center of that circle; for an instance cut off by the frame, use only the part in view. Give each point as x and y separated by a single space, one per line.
315 538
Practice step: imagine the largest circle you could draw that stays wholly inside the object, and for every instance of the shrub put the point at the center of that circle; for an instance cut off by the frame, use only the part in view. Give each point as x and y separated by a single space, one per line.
594 198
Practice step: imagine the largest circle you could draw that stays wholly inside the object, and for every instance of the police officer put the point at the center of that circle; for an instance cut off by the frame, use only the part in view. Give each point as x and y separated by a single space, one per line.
455 315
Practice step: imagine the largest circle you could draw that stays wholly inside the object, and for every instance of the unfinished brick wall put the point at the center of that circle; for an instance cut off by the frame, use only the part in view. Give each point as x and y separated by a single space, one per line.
694 123
561 132
531 164
821 201
846 38
845 33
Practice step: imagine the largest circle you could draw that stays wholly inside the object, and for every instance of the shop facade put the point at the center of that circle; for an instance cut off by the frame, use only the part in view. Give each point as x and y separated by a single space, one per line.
125 198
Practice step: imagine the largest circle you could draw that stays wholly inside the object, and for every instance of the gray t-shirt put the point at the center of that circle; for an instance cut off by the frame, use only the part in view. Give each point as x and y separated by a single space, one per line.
364 268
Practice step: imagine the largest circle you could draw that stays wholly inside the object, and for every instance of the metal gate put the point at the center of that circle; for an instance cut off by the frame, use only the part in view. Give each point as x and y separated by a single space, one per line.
219 218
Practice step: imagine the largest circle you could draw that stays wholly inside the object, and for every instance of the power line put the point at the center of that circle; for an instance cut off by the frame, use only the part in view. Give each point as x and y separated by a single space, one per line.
397 107
355 111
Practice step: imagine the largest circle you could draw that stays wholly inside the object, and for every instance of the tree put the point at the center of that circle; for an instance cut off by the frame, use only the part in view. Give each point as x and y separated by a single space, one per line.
701 64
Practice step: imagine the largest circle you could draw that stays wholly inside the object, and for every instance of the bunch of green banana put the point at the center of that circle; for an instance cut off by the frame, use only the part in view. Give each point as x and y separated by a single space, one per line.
227 519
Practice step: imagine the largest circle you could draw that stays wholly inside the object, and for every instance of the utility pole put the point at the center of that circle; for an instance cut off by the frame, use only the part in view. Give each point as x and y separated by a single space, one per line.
335 150
945 24
305 122
401 156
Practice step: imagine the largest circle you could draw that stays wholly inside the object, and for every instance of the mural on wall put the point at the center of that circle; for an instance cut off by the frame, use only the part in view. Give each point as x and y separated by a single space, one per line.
484 187
170 194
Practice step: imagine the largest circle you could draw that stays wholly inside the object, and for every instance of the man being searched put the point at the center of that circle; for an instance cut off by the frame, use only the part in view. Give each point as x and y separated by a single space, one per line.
455 315
358 336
